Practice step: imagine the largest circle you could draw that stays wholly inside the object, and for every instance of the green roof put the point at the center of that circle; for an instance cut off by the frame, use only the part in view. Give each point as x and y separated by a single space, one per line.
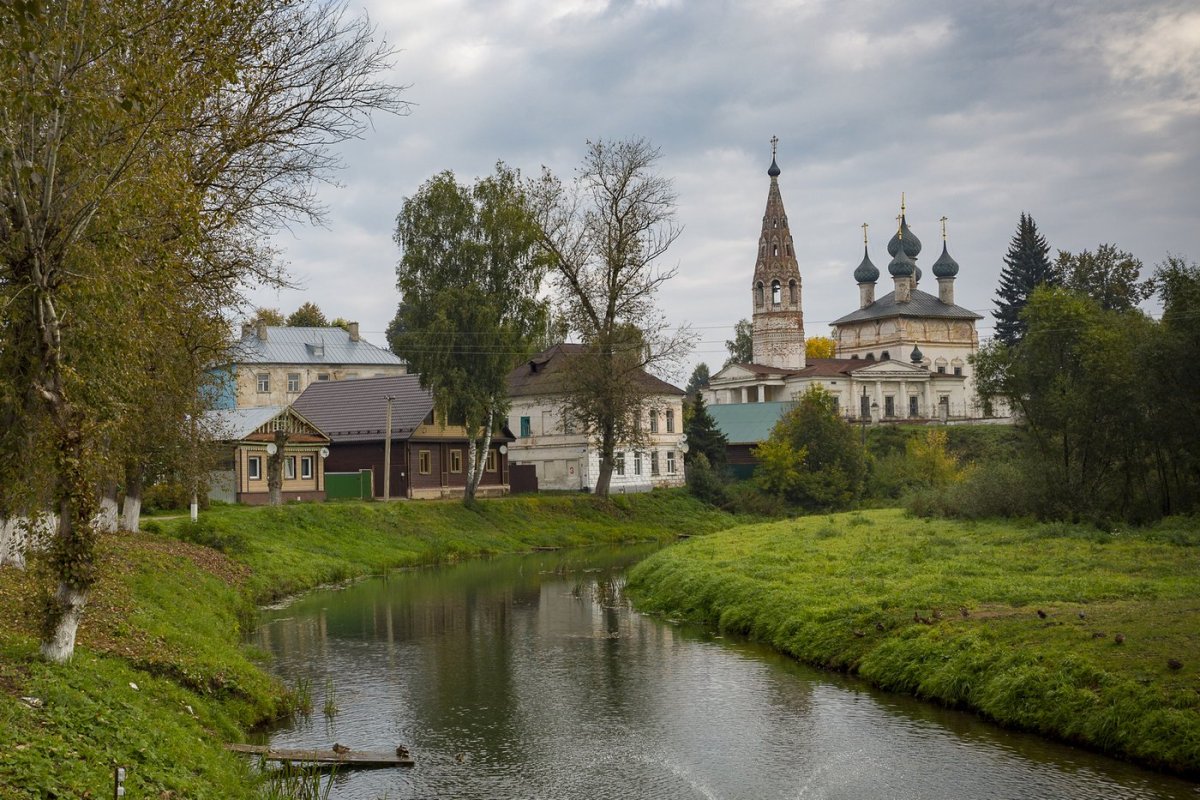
746 423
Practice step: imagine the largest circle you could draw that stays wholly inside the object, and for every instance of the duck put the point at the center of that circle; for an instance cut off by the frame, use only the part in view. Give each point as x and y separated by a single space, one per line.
1042 614
340 749
402 751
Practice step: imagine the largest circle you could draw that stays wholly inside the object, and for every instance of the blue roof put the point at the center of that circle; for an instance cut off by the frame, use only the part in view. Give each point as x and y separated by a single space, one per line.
328 346
745 423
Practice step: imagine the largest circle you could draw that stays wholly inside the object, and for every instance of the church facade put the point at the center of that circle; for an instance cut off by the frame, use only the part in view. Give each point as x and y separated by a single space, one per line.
904 355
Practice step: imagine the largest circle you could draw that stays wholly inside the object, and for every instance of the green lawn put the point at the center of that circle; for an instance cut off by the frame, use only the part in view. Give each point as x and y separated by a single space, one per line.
883 596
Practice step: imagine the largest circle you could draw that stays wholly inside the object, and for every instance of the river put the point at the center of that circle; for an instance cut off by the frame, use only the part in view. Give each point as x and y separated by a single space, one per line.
531 677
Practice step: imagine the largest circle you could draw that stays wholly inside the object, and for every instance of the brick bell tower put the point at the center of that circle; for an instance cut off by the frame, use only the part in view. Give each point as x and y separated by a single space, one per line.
778 318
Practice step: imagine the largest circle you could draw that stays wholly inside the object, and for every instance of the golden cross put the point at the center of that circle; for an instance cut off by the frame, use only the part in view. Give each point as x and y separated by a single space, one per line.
864 227
774 143
944 228
899 227
902 204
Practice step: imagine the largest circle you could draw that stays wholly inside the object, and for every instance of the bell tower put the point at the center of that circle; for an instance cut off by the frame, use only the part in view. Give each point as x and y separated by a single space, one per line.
778 319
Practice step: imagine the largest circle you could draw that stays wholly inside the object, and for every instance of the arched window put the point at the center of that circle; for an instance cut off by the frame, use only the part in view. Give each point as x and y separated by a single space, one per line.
885 356
774 249
762 249
776 293
758 294
788 248
793 292
775 223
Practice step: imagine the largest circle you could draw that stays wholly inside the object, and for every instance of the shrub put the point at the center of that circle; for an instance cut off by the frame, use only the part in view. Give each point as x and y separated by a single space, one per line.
169 496
704 483
203 532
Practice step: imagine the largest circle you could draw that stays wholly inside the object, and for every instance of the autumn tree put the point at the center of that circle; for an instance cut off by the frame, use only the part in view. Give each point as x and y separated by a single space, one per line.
308 315
605 233
741 346
470 275
819 347
119 164
1109 276
271 317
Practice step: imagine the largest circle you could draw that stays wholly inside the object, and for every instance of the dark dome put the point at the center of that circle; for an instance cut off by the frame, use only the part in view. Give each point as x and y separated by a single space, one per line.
917 276
945 266
917 355
774 170
901 265
866 271
912 245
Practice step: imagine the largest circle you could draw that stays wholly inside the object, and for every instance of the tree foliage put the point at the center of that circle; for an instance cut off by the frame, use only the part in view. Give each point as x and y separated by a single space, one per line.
813 458
1109 276
1026 267
819 347
605 233
308 315
741 346
704 437
470 275
699 380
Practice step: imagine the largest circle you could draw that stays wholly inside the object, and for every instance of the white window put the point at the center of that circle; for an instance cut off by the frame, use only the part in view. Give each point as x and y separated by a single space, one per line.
322 376
670 462
670 420
264 382
293 382
654 462
654 422
289 468
619 463
254 468
637 463
306 467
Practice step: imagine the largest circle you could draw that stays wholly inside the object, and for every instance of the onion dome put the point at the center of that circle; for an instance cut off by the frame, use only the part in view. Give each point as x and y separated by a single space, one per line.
866 271
917 276
917 356
912 245
774 170
945 266
901 265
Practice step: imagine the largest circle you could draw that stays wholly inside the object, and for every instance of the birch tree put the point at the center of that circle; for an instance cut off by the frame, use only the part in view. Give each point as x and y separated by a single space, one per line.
470 276
606 232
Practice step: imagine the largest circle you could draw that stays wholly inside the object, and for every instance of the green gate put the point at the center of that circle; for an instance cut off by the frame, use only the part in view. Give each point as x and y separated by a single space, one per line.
349 485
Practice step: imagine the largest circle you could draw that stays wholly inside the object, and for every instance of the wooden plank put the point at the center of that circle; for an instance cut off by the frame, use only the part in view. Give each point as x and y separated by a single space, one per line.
350 758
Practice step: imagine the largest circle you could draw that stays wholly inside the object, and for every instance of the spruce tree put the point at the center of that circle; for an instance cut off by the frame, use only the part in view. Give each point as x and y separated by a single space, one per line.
1027 266
703 435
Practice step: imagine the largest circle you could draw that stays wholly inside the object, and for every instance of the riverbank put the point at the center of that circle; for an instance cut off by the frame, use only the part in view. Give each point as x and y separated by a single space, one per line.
1081 635
161 676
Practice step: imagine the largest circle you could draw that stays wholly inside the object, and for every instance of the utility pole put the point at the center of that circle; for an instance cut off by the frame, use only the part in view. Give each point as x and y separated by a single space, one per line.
387 452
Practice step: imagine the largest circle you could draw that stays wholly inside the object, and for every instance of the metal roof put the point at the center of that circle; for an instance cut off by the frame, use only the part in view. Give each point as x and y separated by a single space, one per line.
922 304
235 424
356 411
327 346
748 423
542 374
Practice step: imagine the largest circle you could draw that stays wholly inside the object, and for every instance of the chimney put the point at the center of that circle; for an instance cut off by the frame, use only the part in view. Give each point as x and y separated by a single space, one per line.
247 330
262 331
353 326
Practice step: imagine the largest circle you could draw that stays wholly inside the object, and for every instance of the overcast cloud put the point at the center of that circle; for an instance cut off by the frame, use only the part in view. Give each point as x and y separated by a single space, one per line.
1086 115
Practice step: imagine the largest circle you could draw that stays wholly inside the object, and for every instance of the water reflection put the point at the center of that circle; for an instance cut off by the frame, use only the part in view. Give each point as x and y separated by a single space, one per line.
531 677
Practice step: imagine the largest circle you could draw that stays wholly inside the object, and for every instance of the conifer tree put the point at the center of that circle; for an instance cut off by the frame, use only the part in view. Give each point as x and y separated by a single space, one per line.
1026 266
704 437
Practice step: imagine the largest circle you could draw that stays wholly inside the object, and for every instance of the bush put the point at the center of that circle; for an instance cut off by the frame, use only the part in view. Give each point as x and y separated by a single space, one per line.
746 498
169 496
1001 490
704 483
203 532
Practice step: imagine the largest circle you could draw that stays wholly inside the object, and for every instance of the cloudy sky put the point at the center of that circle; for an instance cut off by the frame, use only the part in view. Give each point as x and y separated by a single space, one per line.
1085 114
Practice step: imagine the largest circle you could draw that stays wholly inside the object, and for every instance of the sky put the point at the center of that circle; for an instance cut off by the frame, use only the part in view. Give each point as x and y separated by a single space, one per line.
1084 114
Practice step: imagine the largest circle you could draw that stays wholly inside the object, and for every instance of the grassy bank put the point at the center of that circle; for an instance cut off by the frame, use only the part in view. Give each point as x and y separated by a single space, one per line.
1111 661
168 616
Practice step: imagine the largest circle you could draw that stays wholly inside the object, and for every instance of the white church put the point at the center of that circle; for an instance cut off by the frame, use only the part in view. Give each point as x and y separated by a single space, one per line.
901 356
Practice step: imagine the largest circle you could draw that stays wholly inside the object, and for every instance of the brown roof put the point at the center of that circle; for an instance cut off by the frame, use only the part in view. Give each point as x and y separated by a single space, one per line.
356 410
543 374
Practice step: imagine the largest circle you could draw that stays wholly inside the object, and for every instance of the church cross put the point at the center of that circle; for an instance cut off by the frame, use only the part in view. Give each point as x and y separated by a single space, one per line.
864 227
774 144
944 228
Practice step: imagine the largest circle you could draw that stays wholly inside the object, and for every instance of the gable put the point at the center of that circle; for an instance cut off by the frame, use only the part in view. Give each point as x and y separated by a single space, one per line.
893 367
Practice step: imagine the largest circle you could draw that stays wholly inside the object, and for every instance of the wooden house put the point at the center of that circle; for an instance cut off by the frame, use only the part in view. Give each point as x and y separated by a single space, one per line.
251 434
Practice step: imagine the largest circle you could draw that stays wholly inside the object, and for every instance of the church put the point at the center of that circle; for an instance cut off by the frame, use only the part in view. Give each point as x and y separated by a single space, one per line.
901 356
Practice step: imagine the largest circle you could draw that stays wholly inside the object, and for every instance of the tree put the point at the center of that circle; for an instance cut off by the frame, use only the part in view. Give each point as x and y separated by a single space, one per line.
741 346
819 347
704 437
307 316
470 275
271 317
126 170
604 233
1109 276
1026 266
813 458
698 381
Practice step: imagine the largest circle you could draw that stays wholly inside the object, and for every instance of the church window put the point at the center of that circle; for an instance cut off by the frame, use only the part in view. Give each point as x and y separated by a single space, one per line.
774 249
793 292
854 357
788 248
885 356
775 223
776 293
758 294
913 406
958 371
889 406
941 369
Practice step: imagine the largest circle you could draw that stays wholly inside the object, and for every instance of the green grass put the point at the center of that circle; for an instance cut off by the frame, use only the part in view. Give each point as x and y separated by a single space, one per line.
169 616
842 592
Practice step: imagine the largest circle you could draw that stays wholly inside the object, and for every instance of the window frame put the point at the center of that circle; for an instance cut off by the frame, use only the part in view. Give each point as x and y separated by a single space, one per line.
493 460
254 468
456 461
289 468
306 468
670 420
654 473
637 462
425 462
672 469
619 463
653 420
263 382
293 382
526 428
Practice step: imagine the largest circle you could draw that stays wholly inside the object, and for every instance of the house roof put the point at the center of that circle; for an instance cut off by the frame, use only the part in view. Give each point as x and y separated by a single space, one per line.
328 346
235 424
543 374
922 304
748 423
356 410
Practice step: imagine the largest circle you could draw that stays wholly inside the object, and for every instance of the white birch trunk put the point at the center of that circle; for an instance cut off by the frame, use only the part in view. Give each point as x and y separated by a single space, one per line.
106 519
482 456
472 468
12 543
61 645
